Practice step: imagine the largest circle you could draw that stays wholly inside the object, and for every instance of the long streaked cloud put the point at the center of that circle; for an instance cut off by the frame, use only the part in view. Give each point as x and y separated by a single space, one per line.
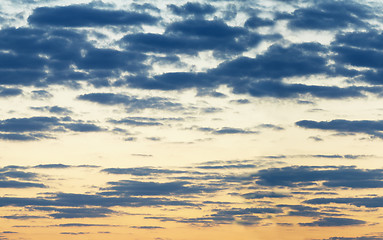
370 127
86 16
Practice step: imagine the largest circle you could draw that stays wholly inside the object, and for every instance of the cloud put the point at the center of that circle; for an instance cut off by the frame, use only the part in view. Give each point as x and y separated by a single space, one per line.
234 164
192 8
85 16
84 212
147 227
55 165
131 103
17 184
10 92
370 127
256 22
331 177
68 56
37 128
54 109
264 194
192 36
203 92
259 77
141 171
11 178
360 49
333 222
242 216
139 188
328 15
74 233
33 124
83 225
136 122
356 238
305 211
83 127
368 202
17 174
22 217
227 130
41 94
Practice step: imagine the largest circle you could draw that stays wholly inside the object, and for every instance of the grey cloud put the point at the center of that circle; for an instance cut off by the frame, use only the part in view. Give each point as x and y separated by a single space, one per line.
334 222
142 171
265 194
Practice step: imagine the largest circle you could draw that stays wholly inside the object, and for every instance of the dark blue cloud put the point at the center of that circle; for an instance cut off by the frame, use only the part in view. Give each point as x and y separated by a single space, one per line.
10 92
355 238
256 22
131 103
85 16
147 227
369 127
334 222
92 200
368 202
227 130
302 210
41 94
329 15
359 57
22 217
85 212
144 7
18 184
222 165
371 39
53 109
136 122
246 211
138 188
204 92
83 225
33 124
193 36
21 137
101 59
52 166
281 90
332 177
192 8
260 76
36 128
83 127
203 28
278 62
62 52
264 194
17 174
360 49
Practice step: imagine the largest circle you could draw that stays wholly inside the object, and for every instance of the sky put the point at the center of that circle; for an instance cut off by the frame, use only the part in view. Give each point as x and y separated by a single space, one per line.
184 120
